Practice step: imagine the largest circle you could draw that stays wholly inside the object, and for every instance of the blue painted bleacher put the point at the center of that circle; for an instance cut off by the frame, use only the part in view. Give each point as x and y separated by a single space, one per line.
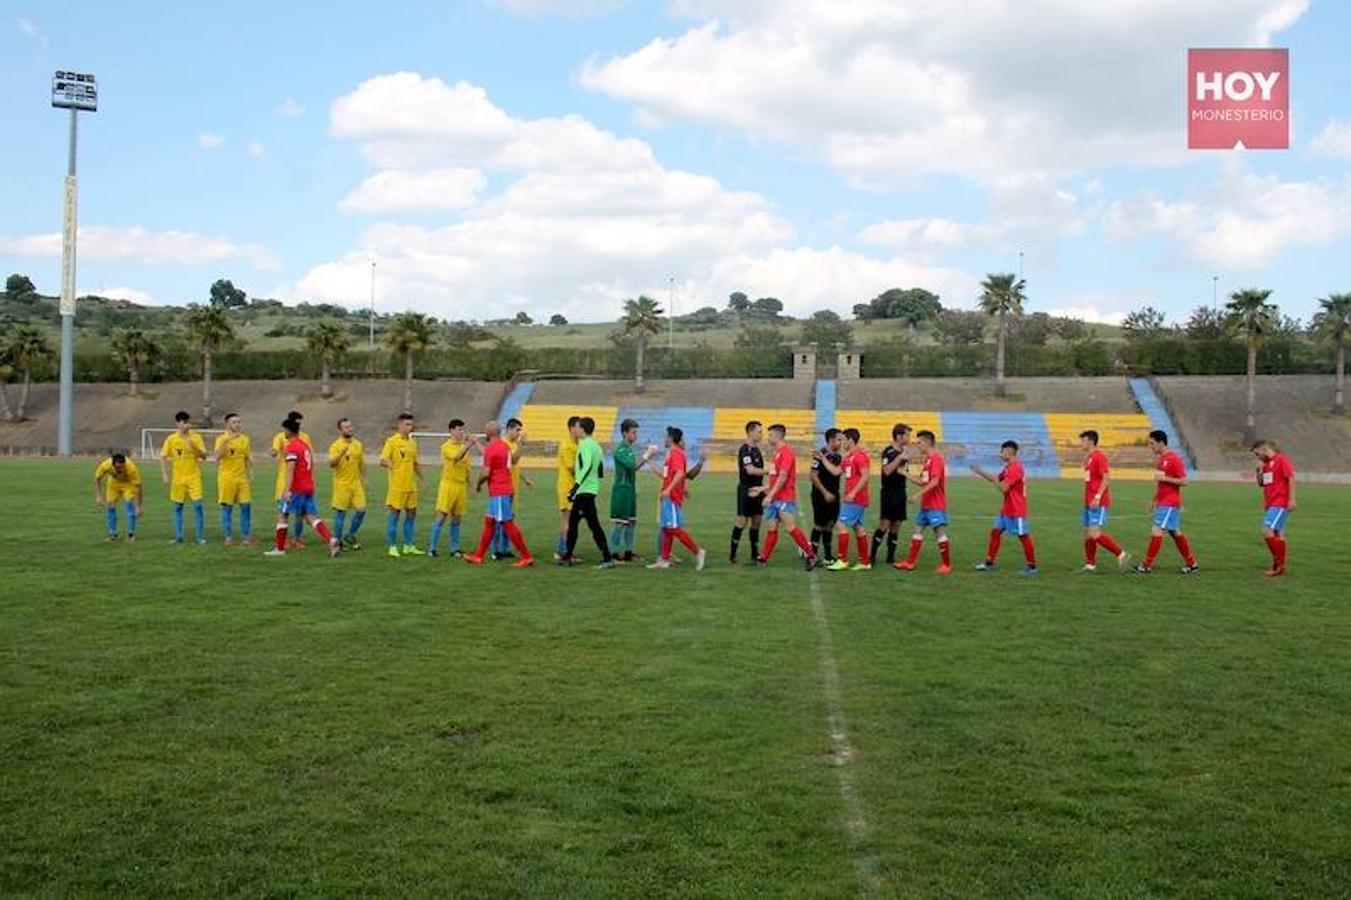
825 405
974 438
1151 405
520 395
695 421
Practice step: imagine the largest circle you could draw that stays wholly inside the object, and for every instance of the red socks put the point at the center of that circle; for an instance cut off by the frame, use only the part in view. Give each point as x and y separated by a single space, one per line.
1155 545
324 533
1184 548
1278 547
771 539
1111 546
281 535
489 526
916 544
1029 551
863 550
684 537
843 542
667 539
801 540
514 535
944 550
992 552
1091 551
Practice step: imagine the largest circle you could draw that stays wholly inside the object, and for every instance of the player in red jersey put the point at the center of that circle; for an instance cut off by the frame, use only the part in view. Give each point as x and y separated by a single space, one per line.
1097 500
673 477
497 474
1012 483
933 505
853 502
1170 477
1276 477
297 497
782 494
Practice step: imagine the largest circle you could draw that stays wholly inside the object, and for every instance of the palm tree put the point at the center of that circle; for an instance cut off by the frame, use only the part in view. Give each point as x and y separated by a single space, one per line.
410 333
1002 296
27 346
328 342
1333 321
641 319
137 350
1253 318
209 329
6 370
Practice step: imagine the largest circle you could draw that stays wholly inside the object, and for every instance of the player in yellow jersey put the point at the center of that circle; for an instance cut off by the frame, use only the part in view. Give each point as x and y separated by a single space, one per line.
278 452
452 496
234 477
567 462
513 435
347 459
399 457
124 484
185 451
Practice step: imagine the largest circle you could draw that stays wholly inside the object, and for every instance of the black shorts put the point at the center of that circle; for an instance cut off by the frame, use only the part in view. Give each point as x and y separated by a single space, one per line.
823 512
893 506
747 506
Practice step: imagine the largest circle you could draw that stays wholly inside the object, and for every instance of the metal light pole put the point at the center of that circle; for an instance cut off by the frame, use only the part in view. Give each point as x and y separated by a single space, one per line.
74 91
372 335
1214 290
670 312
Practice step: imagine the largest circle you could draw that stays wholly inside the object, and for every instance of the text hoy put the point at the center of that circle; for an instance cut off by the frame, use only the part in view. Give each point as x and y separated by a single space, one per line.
1238 87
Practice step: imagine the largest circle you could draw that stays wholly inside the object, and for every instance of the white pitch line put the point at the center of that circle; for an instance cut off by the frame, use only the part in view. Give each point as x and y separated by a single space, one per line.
842 750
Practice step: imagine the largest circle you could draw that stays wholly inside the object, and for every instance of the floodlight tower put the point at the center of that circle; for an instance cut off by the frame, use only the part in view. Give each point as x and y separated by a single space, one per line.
75 91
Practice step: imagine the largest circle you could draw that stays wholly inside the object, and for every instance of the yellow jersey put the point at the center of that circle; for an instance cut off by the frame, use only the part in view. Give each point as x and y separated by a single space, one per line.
454 468
185 452
234 464
515 468
401 453
130 477
279 451
348 472
567 464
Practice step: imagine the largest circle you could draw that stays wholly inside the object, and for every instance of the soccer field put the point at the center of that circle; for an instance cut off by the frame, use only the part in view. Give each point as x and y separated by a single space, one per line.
205 720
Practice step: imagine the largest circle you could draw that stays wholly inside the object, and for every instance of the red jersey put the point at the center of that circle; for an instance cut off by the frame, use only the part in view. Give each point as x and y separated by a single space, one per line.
1015 498
855 467
1275 481
302 479
1169 464
784 461
1095 469
675 465
934 470
497 460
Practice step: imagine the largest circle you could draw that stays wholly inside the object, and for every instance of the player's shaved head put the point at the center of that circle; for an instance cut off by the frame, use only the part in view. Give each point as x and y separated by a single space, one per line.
491 428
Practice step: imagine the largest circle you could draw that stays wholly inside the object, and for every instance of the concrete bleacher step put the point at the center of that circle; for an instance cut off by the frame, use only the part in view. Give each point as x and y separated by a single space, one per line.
729 423
875 425
974 438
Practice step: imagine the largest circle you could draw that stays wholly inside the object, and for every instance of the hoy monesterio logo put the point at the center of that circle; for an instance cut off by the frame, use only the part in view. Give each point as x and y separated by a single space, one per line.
1238 98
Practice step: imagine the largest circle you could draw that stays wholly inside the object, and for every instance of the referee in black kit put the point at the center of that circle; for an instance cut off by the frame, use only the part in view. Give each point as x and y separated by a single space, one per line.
750 472
826 495
893 492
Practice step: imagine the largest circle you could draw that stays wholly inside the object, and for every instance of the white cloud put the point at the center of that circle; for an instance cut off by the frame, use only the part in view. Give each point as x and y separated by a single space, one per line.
572 9
583 218
1242 222
1107 309
209 140
257 150
399 190
290 109
887 91
120 293
142 246
1334 140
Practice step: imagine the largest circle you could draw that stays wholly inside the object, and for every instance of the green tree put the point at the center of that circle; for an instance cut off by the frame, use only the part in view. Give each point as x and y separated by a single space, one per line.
209 330
641 320
1002 297
1333 322
19 286
523 318
759 340
27 346
1070 330
767 308
827 331
738 302
1033 330
137 350
1207 323
1252 317
327 342
410 333
558 319
959 327
224 295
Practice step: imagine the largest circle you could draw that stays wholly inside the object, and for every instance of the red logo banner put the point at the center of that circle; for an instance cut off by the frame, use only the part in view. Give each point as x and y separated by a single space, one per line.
1238 97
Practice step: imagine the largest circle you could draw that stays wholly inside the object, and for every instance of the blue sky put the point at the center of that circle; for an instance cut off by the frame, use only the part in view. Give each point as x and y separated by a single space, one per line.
558 155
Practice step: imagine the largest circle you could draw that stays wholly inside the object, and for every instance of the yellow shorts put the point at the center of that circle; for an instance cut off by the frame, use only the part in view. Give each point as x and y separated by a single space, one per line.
401 499
232 491
183 491
349 496
119 492
452 499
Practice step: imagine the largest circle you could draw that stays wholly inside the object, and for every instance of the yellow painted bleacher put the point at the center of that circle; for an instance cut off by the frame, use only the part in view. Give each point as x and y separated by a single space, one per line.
1120 435
876 426
729 423
546 425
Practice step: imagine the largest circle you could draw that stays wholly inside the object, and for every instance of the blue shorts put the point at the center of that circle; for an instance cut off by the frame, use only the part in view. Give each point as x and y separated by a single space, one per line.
1169 518
931 518
1275 518
851 514
672 515
1094 518
778 508
1014 525
302 505
499 508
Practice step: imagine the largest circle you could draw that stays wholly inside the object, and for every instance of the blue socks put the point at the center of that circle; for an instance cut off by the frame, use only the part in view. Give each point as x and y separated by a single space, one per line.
454 535
357 519
339 520
436 534
178 522
131 519
409 523
198 520
500 543
299 527
227 520
561 546
392 529
112 521
246 520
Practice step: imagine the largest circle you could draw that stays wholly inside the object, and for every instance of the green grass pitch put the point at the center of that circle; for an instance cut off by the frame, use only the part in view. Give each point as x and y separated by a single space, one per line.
203 720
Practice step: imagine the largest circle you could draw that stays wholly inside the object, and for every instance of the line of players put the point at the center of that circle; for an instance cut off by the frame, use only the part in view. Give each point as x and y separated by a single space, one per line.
766 494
